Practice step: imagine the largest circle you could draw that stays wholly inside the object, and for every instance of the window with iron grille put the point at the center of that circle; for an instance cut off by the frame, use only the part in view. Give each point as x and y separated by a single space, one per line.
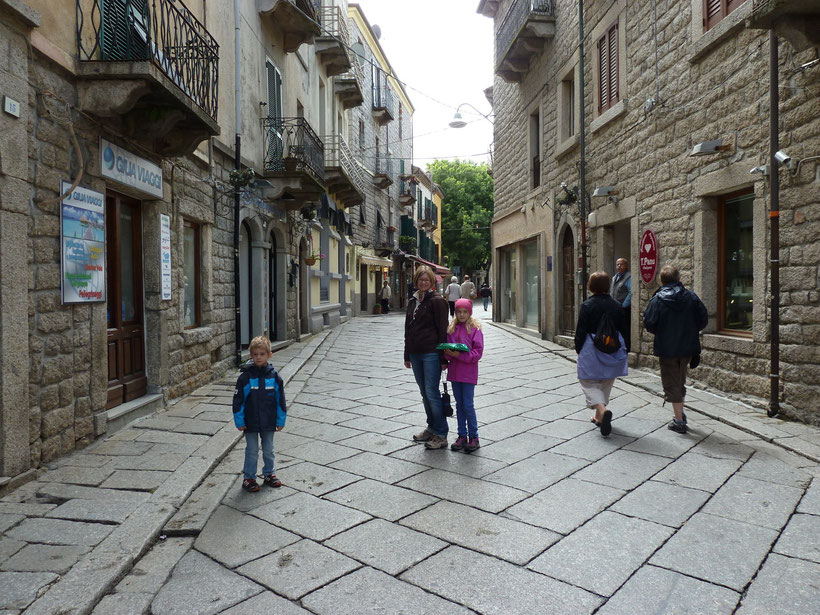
608 69
716 10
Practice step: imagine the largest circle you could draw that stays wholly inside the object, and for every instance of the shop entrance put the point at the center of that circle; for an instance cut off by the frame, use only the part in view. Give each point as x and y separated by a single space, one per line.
567 284
126 336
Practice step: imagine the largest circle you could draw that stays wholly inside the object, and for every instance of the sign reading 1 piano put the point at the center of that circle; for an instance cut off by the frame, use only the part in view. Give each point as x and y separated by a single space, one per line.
82 245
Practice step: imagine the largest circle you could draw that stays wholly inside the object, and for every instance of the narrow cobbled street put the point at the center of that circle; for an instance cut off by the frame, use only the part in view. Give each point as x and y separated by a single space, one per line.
546 517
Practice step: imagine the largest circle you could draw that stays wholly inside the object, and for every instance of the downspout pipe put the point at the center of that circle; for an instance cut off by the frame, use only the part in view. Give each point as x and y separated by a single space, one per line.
582 197
236 190
774 216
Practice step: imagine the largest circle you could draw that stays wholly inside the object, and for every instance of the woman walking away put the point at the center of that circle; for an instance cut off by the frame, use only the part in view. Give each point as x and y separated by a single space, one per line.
462 372
425 327
600 347
453 294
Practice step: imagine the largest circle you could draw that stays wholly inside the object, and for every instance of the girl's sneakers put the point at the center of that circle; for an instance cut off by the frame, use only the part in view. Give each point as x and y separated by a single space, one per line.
459 444
271 481
472 444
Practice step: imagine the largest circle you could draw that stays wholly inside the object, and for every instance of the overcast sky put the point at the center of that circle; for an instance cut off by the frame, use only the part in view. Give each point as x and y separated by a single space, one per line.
442 51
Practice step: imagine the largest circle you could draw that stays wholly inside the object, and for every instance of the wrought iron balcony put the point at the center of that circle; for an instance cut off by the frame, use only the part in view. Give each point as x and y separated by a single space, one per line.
344 176
294 160
152 67
383 173
296 19
383 107
798 21
332 43
527 25
407 190
349 86
429 216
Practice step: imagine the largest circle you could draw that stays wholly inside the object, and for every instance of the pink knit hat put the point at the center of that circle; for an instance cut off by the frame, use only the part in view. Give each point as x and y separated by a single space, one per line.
466 304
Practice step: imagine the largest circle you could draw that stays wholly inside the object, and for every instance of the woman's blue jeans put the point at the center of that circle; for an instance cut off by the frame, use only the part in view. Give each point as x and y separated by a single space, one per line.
252 452
465 410
427 370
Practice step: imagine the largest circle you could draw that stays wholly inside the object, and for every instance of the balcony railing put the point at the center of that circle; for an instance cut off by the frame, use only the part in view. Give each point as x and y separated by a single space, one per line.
162 32
338 154
291 146
518 15
384 166
334 24
349 86
382 97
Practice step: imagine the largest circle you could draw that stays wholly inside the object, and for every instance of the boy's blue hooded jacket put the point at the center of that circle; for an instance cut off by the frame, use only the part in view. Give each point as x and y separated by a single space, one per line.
259 400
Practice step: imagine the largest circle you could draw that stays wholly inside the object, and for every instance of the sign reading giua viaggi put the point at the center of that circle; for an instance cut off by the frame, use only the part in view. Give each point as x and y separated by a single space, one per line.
129 169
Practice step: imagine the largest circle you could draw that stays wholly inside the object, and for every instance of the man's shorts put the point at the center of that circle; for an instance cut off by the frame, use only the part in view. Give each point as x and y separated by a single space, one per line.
673 377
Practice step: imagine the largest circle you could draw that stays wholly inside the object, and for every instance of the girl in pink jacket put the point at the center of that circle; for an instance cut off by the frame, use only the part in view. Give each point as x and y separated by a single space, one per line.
462 372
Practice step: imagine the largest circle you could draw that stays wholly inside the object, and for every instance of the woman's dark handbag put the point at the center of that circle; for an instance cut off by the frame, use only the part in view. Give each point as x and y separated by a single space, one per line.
445 401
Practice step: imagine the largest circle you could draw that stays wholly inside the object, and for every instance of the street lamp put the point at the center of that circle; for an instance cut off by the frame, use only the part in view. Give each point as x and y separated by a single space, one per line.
458 121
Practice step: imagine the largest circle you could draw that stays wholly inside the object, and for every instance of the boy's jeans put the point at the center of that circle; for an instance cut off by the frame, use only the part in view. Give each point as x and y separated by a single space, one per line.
252 452
427 370
465 410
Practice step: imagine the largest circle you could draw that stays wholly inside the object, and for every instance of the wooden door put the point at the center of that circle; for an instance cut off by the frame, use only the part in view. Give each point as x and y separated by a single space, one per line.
126 339
363 288
568 284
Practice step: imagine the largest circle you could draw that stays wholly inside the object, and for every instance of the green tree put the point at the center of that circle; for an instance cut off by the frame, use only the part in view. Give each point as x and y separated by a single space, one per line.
467 209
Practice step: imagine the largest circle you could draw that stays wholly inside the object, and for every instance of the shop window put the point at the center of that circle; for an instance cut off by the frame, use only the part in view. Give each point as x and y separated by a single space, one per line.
735 262
192 249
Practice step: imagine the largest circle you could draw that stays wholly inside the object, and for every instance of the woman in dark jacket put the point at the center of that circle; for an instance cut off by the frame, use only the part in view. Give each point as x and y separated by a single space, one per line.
597 370
425 327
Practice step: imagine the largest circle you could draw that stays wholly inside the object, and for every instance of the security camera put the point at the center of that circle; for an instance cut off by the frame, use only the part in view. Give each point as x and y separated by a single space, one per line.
783 159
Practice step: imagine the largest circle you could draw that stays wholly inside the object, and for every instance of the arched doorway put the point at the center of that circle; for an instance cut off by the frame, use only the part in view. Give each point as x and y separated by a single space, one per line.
567 283
245 272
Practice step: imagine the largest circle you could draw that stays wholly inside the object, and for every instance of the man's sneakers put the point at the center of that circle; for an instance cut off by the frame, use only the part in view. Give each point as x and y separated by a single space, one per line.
436 442
250 485
424 436
677 426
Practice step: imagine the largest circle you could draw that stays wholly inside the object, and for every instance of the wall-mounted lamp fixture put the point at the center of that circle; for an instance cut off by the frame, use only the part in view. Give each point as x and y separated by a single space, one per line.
458 121
608 192
592 218
763 169
709 147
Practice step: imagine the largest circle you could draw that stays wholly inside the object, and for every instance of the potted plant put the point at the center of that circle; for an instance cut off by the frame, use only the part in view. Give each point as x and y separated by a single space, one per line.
311 259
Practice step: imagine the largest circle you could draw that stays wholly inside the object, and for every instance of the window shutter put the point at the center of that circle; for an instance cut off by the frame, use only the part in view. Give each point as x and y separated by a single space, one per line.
603 75
613 65
276 144
124 30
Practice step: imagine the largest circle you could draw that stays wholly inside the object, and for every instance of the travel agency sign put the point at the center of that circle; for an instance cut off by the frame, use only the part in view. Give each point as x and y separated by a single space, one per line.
129 169
648 256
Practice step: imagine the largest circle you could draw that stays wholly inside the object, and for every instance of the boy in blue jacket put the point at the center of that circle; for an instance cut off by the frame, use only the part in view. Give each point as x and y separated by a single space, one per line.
259 409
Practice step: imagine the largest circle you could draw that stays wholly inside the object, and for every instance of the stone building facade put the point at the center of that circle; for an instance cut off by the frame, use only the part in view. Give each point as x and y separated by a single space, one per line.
653 90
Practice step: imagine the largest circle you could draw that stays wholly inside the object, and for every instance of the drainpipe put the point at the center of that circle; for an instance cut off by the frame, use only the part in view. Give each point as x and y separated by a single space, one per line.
236 190
774 216
582 146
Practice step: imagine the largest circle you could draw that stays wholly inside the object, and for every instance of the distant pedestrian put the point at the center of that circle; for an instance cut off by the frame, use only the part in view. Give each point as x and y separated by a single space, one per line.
384 297
485 292
425 327
675 315
453 294
462 372
621 291
468 289
259 409
598 369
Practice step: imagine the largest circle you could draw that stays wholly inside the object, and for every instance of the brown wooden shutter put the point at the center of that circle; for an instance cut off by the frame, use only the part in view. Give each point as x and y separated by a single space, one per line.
603 74
715 10
613 65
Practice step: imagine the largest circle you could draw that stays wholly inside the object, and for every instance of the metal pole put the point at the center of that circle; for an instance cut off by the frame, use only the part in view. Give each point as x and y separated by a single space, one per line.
236 192
774 216
582 146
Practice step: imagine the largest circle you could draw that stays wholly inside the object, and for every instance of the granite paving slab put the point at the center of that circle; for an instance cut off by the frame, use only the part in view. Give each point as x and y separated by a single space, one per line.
319 431
191 441
84 460
511 426
622 469
566 429
9 520
152 570
698 471
298 569
78 475
120 447
655 591
470 465
137 480
491 497
717 550
504 538
720 446
44 558
765 467
602 554
494 587
20 589
810 504
165 461
61 492
376 443
381 500
800 538
666 443
538 472
386 546
241 500
663 503
325 401
266 602
633 426
373 424
315 479
591 445
101 511
192 516
378 467
123 604
783 585
309 516
199 585
9 547
60 532
371 592
517 448
754 501
565 505
234 539
322 453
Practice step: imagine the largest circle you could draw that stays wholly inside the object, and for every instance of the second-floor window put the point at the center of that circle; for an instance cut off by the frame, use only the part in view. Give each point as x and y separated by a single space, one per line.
608 69
715 10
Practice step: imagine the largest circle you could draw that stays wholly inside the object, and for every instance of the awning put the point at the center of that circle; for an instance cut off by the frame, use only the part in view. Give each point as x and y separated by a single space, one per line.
375 260
436 268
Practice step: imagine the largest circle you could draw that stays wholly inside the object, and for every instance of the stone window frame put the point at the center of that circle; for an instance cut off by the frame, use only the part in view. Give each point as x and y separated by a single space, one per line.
703 40
721 308
616 14
197 282
564 142
535 141
725 8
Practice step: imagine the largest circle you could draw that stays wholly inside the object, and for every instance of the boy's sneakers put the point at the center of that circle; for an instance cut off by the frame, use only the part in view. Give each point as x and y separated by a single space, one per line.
459 444
472 445
250 484
271 481
436 442
679 427
424 436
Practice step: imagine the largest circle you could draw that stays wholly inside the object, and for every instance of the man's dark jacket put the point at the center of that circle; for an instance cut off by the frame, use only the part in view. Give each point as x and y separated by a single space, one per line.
675 315
259 399
425 327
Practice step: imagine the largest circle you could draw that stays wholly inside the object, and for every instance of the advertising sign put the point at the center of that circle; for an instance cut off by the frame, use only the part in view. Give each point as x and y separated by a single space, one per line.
648 256
126 168
82 245
165 255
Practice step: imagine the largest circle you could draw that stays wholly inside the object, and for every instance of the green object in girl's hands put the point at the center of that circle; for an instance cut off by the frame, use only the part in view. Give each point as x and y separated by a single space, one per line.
454 347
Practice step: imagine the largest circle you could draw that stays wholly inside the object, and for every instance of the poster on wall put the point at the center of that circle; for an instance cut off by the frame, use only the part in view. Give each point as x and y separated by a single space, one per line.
82 245
165 255
648 257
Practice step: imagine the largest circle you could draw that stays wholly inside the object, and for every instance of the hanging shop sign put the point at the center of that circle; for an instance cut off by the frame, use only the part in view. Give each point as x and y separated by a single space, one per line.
165 255
82 245
648 256
129 169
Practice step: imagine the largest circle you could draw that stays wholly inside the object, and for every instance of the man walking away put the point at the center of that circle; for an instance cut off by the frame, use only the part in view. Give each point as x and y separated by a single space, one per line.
675 316
453 294
384 297
621 291
468 289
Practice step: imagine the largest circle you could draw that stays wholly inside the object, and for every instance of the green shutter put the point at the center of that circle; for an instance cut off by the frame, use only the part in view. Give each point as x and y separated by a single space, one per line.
124 30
